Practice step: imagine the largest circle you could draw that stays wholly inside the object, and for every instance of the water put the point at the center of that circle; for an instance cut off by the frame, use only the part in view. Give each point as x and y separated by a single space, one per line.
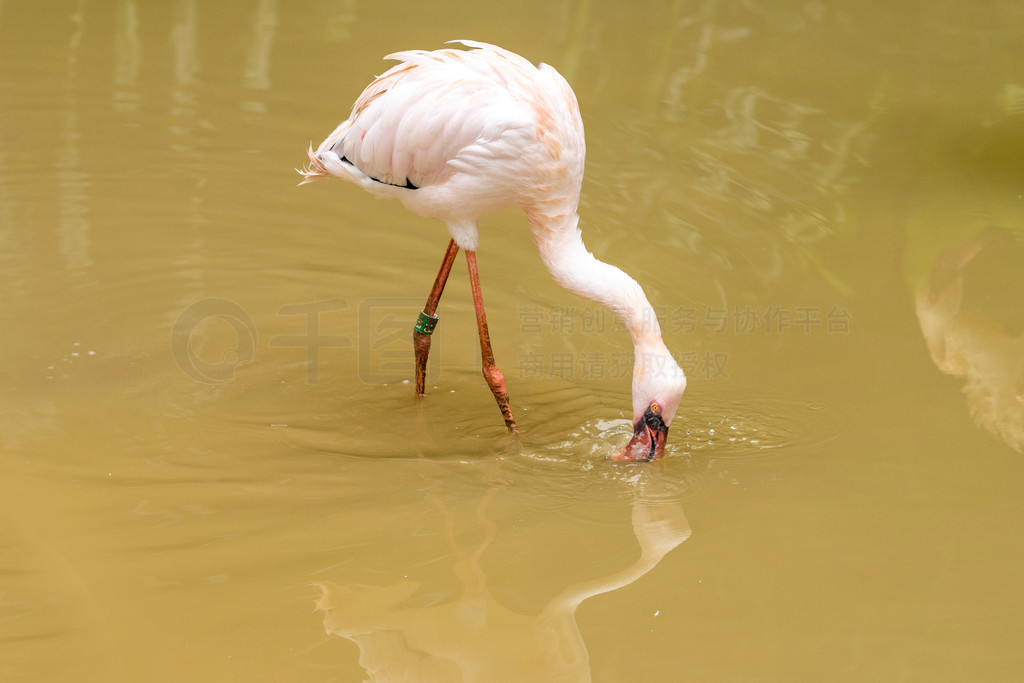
211 463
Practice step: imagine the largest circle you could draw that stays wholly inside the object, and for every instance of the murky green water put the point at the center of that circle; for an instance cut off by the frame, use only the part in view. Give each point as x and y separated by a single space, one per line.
212 464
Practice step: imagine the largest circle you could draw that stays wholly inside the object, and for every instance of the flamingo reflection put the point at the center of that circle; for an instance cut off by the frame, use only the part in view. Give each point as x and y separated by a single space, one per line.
970 344
475 638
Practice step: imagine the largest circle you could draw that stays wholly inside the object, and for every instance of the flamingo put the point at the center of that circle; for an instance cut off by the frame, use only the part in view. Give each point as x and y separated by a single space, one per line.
455 134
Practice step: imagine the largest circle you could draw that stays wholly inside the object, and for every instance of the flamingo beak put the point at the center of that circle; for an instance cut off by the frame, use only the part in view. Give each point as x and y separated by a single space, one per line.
649 435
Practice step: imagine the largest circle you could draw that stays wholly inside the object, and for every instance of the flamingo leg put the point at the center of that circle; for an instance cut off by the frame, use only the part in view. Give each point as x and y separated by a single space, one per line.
495 378
425 325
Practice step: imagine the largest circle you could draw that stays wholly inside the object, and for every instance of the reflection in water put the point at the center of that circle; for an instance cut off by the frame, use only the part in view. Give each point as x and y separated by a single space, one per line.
804 166
768 170
257 61
73 240
8 237
674 103
191 163
339 22
186 65
476 638
970 344
128 58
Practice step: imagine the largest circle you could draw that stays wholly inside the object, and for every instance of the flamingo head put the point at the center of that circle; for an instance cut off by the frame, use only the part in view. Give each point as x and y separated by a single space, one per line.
658 385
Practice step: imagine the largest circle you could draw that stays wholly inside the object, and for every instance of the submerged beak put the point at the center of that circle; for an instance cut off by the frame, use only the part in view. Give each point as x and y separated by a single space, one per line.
649 435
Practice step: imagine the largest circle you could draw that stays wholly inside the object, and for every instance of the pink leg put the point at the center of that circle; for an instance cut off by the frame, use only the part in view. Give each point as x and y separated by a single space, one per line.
425 325
495 378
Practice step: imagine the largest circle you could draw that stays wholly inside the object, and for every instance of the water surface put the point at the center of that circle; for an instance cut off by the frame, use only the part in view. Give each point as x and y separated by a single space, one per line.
212 466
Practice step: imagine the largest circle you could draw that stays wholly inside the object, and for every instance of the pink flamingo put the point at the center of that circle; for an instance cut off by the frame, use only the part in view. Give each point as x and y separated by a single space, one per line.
455 134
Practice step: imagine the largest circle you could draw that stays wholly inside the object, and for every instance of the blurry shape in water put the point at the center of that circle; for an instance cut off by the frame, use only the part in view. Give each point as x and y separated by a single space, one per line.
971 344
475 637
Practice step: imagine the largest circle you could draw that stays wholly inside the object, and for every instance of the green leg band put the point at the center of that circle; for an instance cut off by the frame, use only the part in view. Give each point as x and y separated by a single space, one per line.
425 323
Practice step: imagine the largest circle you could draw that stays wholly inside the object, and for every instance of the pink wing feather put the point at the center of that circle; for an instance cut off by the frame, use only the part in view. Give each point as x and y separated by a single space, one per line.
411 123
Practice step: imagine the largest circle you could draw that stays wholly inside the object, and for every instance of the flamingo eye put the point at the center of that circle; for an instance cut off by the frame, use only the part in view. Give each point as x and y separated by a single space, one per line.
655 408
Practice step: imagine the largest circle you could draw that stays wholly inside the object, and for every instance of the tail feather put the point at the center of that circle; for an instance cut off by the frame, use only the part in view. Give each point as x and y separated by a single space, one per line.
315 170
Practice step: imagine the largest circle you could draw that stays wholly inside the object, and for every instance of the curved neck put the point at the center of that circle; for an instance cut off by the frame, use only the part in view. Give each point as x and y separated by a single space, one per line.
561 247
